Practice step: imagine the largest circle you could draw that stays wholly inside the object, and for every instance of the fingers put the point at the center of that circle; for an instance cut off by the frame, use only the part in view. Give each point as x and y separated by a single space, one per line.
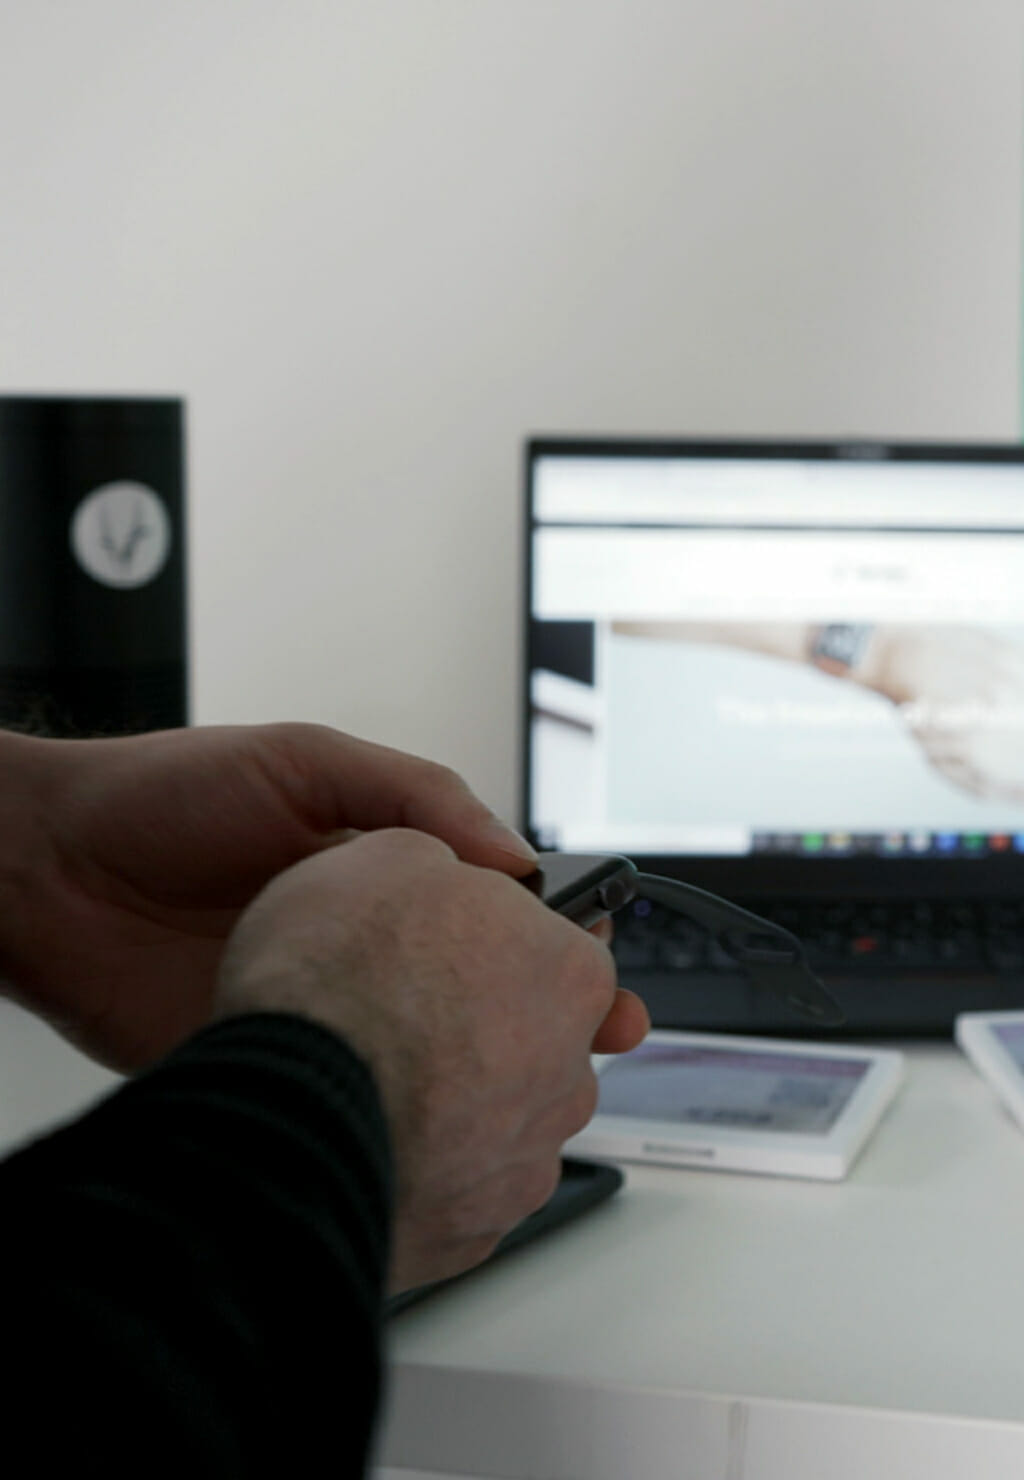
627 1024
342 782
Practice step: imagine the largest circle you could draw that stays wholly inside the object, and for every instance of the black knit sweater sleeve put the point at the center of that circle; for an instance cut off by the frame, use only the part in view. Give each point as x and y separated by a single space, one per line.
193 1272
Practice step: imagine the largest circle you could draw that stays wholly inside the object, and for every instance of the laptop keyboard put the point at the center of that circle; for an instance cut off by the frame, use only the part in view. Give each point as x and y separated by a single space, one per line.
840 937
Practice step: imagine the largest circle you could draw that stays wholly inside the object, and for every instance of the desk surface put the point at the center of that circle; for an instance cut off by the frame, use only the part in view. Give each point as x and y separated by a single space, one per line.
743 1326
899 1291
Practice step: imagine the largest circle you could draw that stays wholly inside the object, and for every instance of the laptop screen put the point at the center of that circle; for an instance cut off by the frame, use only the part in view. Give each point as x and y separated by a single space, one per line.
749 649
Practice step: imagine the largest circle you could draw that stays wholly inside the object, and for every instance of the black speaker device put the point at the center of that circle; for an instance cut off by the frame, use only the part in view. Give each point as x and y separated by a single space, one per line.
93 631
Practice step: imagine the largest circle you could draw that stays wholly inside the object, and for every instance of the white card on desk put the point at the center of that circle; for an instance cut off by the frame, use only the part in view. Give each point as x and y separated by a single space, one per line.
710 1100
994 1043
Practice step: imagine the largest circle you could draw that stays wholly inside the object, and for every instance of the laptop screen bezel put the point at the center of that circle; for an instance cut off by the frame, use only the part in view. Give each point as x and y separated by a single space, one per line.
769 876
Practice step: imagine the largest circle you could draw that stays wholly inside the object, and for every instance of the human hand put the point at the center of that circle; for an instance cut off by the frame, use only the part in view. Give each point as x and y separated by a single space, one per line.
960 691
125 863
476 1008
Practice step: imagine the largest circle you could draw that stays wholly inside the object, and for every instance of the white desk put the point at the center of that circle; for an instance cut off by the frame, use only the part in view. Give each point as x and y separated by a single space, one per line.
704 1325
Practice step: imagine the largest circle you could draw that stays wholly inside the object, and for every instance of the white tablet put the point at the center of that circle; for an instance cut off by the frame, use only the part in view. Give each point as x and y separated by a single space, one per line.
994 1043
740 1104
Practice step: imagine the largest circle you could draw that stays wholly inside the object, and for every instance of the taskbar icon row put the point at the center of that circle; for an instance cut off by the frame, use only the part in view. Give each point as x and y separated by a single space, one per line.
915 843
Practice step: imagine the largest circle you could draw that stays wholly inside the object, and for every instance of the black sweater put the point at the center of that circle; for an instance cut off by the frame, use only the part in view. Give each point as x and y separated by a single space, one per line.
193 1272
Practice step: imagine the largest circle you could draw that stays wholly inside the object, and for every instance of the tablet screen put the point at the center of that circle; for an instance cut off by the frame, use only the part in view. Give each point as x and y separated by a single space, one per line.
1011 1036
791 1094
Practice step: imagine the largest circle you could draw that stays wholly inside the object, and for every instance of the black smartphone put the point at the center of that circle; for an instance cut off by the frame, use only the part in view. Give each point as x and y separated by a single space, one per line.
583 886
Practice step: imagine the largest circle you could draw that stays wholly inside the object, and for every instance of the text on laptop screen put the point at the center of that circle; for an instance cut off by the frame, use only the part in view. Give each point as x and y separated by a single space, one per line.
751 654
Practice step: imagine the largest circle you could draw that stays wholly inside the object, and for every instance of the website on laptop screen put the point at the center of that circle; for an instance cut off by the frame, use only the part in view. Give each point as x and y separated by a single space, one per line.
735 656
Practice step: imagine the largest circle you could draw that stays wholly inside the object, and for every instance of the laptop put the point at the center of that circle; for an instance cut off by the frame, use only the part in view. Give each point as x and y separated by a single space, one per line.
791 673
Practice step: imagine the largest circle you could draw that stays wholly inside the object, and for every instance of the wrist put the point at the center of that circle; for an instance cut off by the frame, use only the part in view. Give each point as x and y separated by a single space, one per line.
252 981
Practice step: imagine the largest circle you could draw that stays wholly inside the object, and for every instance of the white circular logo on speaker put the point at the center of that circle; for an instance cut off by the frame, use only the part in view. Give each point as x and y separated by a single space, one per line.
121 534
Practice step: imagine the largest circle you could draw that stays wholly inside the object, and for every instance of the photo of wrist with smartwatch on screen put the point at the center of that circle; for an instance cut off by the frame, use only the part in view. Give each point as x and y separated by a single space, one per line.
789 674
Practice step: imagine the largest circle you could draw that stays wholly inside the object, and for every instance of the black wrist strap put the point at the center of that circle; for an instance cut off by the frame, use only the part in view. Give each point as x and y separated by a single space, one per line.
773 956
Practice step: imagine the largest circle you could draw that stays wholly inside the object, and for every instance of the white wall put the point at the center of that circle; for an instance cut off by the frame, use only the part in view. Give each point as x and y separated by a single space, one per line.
376 243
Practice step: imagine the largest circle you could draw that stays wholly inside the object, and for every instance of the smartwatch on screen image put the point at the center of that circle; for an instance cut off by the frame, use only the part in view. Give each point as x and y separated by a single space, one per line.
837 647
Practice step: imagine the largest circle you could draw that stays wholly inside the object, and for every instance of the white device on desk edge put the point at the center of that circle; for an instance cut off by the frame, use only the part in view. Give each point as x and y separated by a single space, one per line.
712 1100
994 1043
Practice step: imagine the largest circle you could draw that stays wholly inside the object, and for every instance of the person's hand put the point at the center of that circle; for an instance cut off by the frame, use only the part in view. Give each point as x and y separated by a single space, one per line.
474 1005
125 863
960 691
